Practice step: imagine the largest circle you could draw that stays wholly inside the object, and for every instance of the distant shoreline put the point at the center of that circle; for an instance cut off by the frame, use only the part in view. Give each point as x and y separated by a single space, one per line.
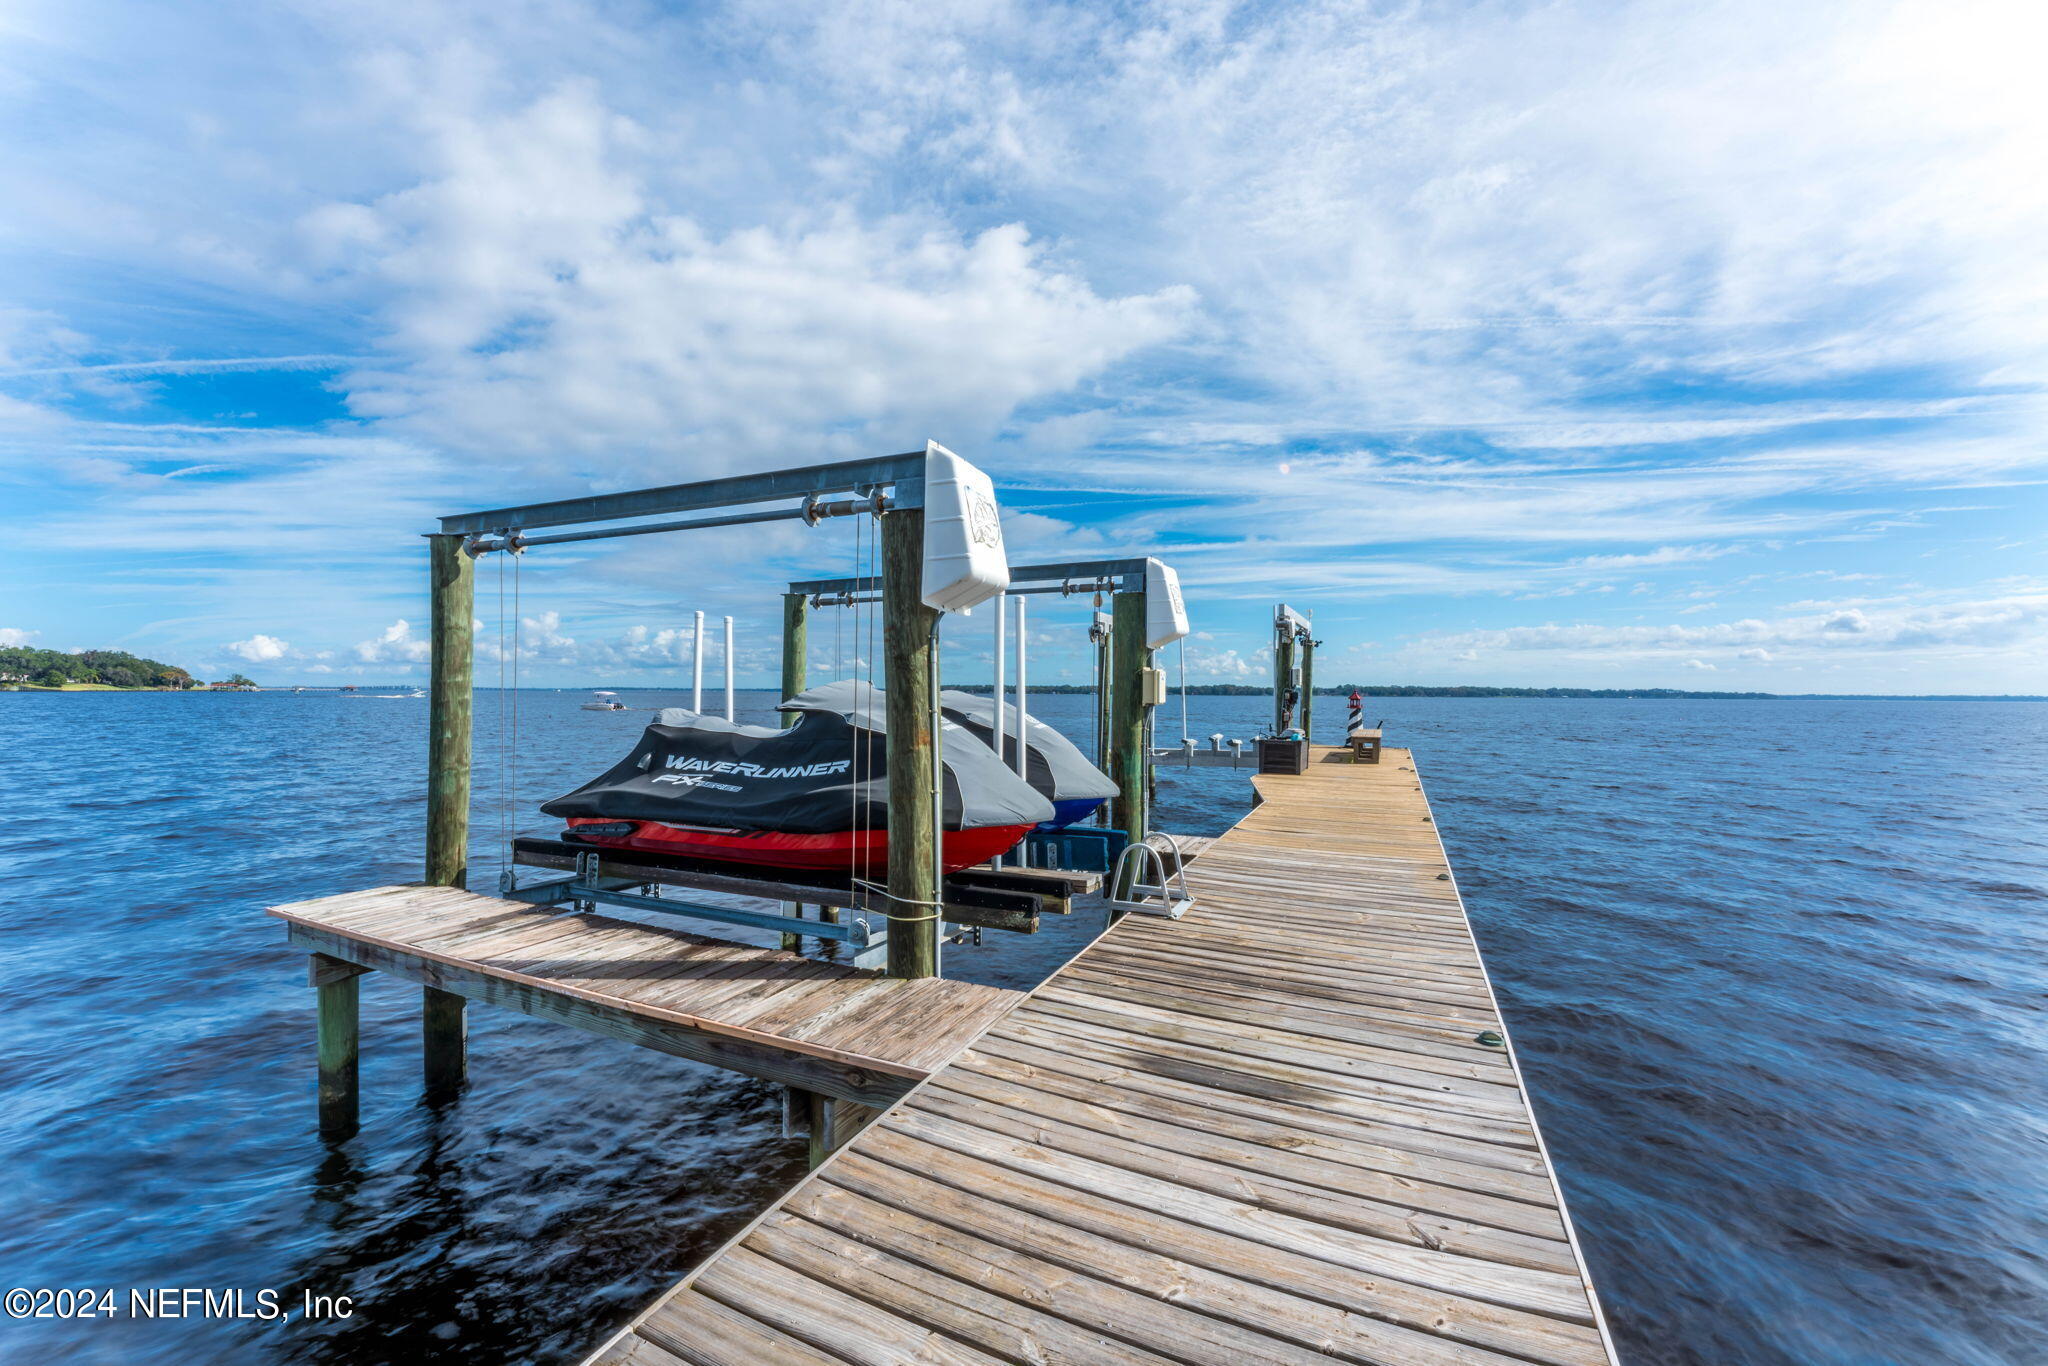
97 687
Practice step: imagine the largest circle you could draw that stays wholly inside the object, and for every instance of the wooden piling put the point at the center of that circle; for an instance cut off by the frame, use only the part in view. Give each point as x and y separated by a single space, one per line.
796 644
337 991
796 638
448 712
444 1040
818 1123
907 626
1128 761
444 1026
833 1124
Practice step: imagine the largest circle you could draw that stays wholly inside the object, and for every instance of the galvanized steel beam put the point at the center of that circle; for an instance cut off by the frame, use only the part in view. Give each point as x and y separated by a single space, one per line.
905 472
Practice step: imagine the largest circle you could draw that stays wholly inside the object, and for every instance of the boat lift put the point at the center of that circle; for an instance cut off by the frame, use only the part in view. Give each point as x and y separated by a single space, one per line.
1147 612
941 550
1285 745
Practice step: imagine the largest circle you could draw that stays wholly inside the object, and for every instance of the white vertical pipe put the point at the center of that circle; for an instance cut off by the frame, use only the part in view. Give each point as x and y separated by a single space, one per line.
697 668
730 714
1183 692
1021 690
1002 645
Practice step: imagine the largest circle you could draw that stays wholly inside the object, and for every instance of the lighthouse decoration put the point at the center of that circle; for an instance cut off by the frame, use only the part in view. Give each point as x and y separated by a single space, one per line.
1356 719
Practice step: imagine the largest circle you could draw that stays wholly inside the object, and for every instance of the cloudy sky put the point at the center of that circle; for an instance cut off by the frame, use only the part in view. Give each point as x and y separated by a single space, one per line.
1525 343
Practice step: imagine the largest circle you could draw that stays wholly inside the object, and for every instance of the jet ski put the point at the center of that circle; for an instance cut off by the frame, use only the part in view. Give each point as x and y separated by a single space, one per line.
815 795
1053 765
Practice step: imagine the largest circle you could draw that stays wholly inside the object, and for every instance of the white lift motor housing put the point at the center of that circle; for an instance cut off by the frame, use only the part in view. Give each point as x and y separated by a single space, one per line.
964 563
1166 615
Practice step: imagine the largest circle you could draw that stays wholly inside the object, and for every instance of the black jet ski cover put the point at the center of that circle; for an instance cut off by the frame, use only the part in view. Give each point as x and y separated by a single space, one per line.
1053 764
821 775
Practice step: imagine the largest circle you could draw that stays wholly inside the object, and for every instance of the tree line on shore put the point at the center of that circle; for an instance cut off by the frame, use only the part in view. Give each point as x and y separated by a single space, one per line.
113 668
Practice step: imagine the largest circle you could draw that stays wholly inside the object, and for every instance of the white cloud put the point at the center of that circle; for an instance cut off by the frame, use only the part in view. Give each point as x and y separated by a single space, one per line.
1228 665
1662 555
1992 630
15 635
545 299
397 644
191 366
259 648
1484 214
1699 664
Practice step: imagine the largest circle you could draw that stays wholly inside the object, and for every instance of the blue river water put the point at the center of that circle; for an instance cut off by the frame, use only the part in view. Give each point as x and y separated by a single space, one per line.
1777 972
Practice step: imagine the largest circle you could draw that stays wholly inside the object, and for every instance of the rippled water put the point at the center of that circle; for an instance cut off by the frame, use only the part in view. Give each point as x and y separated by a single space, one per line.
1776 972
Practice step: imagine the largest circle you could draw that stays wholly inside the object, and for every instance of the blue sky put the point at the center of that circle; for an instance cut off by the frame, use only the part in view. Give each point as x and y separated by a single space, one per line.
1616 345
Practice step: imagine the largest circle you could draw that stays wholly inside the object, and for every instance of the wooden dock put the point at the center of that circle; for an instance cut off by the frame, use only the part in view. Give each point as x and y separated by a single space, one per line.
1284 1129
833 1031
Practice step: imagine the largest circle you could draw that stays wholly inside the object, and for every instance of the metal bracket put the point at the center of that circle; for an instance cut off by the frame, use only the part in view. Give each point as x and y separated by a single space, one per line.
585 889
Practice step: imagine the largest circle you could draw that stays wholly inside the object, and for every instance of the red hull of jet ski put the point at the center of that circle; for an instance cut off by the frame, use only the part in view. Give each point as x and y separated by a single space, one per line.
868 849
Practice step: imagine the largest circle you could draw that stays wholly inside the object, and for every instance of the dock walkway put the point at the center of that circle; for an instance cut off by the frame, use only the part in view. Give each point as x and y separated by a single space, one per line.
839 1032
1267 1133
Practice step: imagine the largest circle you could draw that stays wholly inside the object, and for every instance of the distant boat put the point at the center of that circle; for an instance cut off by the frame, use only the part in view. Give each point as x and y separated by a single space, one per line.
604 701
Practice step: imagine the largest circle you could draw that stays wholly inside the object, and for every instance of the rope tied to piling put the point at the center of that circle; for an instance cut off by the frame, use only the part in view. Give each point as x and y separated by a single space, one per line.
891 916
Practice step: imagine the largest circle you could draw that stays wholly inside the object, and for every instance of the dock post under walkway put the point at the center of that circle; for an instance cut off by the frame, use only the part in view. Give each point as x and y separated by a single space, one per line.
1286 1128
337 991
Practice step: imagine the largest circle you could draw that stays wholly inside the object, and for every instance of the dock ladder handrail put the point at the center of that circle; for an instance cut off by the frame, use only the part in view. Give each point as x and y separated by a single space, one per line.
1167 895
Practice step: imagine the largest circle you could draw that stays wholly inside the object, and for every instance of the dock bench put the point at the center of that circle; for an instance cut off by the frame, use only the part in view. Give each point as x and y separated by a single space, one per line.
1365 746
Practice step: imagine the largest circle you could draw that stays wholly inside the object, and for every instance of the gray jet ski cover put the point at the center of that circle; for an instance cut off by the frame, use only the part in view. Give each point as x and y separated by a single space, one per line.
823 774
1053 764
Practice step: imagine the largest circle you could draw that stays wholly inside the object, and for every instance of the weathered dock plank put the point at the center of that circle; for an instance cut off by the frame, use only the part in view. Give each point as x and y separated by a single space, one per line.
841 1032
1277 1130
